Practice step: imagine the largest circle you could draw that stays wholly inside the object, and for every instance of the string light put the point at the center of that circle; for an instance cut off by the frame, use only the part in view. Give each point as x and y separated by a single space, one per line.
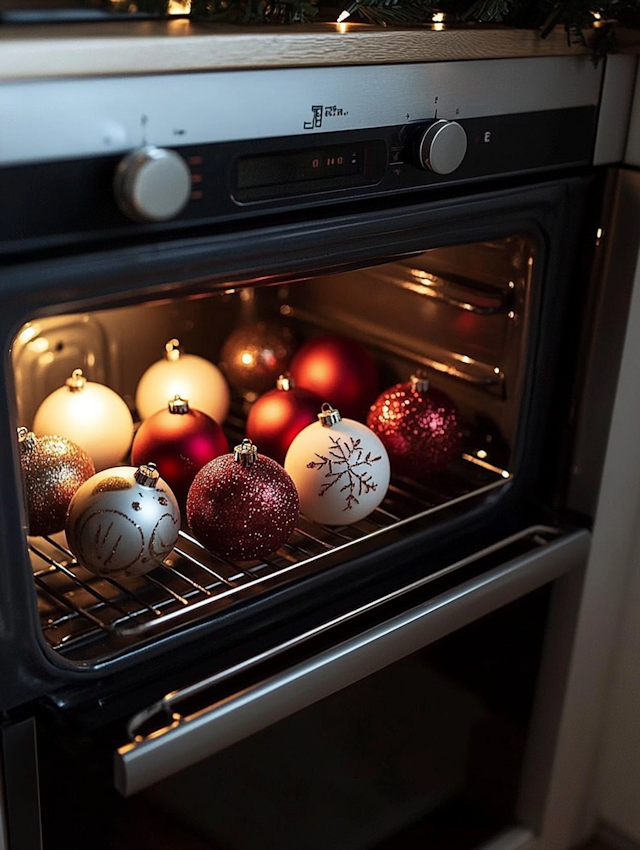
346 13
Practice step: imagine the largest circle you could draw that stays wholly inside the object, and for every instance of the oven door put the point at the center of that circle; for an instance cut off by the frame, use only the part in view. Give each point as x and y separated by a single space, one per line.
420 580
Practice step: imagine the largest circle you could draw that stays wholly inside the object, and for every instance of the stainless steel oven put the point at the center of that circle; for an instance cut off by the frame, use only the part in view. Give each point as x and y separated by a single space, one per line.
370 683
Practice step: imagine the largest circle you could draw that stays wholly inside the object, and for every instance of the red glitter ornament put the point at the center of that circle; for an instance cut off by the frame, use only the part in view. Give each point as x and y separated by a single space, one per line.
254 355
277 416
242 505
419 425
180 441
339 370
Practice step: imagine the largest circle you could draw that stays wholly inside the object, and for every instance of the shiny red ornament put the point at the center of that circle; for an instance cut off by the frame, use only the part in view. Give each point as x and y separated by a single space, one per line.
254 355
279 415
180 441
53 468
339 370
242 505
419 425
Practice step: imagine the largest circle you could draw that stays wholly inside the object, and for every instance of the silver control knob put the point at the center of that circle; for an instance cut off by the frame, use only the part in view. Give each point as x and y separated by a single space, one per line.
442 147
152 184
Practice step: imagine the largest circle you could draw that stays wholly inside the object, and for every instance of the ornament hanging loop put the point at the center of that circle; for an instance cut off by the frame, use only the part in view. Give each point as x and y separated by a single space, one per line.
26 438
77 381
328 415
285 382
178 405
245 453
147 475
420 383
173 350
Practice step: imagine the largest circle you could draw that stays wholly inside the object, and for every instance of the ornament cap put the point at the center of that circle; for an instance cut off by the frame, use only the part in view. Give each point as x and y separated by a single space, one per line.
77 381
285 382
147 475
178 405
245 453
419 381
26 438
328 415
173 350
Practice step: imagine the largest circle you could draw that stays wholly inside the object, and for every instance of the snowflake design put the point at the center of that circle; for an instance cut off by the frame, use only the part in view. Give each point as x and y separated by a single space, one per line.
347 464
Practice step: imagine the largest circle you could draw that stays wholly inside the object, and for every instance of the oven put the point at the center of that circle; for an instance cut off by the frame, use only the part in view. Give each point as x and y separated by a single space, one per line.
381 681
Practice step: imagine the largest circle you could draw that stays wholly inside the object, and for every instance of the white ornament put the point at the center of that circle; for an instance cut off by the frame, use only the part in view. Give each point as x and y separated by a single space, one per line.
186 375
123 521
340 468
89 414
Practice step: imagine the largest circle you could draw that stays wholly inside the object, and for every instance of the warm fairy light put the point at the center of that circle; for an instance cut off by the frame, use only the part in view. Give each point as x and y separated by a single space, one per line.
438 20
178 8
342 17
342 27
596 15
481 454
246 358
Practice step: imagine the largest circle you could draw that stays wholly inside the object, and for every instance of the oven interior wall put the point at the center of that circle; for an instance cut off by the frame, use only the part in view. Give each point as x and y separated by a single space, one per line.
427 752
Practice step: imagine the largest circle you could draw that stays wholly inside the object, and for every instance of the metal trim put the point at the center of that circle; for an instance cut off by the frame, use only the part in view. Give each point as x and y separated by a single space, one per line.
186 741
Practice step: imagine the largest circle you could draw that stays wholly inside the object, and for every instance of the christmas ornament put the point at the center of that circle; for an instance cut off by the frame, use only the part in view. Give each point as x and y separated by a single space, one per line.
242 505
181 441
254 355
188 376
91 415
338 368
52 470
419 425
340 468
278 415
123 521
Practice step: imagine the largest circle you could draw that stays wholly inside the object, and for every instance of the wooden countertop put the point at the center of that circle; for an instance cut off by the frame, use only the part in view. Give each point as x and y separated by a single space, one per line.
139 47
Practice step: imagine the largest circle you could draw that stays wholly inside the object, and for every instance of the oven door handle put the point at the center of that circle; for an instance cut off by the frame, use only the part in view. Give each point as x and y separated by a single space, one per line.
184 741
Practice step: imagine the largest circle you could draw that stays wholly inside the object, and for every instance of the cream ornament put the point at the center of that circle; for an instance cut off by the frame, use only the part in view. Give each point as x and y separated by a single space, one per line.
340 469
185 375
123 521
89 414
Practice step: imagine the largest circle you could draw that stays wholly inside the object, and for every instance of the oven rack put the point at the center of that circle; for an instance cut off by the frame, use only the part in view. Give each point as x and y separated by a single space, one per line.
88 618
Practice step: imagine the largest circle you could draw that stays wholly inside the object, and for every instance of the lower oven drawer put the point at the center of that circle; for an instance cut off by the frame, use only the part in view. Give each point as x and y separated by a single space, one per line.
190 724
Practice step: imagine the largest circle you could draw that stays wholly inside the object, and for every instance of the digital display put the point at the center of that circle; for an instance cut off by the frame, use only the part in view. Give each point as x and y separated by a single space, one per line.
306 171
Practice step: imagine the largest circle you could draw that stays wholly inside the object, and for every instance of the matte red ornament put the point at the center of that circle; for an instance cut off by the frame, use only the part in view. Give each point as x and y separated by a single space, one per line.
419 425
179 441
339 370
53 468
280 414
254 355
243 505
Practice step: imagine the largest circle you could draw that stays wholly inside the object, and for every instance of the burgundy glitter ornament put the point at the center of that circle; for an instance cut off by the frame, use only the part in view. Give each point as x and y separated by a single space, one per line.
279 415
242 505
52 470
181 441
254 355
419 425
338 369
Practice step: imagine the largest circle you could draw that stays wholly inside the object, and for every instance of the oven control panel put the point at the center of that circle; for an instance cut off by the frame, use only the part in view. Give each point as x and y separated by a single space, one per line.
109 155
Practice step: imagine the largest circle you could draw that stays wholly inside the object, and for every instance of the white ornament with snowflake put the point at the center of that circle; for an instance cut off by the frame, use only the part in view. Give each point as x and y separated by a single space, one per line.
340 468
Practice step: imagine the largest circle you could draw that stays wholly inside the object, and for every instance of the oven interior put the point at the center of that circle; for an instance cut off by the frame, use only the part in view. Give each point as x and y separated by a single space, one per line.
462 314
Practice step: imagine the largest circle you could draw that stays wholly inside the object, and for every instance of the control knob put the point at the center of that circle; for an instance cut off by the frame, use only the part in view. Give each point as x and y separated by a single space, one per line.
442 147
152 184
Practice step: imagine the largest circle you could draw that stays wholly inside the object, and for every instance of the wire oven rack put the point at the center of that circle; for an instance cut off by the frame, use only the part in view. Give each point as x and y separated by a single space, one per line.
87 618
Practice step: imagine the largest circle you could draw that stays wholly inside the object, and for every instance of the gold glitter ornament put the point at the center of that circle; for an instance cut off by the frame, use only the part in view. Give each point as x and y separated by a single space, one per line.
52 470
